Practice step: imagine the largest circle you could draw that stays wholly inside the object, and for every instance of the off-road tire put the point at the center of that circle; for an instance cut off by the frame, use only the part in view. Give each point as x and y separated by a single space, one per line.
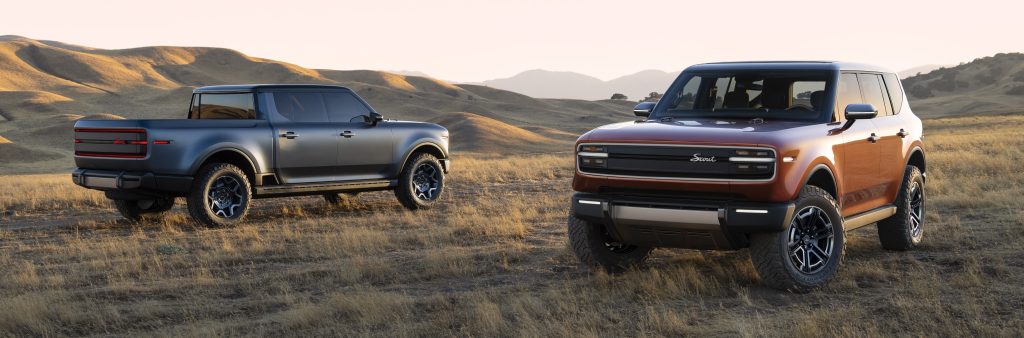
136 210
589 243
201 208
412 195
770 252
898 232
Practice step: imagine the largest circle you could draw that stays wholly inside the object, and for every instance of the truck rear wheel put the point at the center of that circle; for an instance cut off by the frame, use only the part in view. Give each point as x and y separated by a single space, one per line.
220 195
135 210
595 248
809 251
421 182
903 231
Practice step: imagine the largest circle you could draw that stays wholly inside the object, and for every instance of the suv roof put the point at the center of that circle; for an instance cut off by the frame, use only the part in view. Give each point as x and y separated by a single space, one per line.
787 65
256 87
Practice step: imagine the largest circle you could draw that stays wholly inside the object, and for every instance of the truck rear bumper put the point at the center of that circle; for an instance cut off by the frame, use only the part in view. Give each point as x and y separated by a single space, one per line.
681 223
143 183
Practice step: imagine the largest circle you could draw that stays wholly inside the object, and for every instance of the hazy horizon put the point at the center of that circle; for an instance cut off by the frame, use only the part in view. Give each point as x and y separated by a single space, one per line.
469 41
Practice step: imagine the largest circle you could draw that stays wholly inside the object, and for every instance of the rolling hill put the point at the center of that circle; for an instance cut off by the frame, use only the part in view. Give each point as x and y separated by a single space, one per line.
988 85
46 85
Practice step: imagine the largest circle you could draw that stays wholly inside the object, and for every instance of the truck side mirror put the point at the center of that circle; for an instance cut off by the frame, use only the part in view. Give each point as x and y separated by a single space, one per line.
644 109
858 111
375 118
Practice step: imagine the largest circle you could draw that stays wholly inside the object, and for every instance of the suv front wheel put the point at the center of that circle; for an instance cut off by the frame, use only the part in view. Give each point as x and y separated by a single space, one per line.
421 182
809 251
595 248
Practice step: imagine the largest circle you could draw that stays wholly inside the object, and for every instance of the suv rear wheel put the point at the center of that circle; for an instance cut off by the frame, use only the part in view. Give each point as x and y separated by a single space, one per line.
595 248
809 251
135 210
421 182
220 195
903 231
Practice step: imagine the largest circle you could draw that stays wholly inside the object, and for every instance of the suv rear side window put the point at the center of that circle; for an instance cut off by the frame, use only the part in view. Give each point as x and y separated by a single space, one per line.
223 106
301 106
892 82
345 107
874 92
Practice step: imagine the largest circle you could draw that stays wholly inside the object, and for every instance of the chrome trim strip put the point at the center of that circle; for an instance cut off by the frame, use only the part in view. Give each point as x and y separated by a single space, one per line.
868 217
677 218
752 211
775 171
752 159
586 154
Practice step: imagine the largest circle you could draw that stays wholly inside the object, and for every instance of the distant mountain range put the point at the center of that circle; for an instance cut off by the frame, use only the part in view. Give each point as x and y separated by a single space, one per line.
925 69
571 85
988 85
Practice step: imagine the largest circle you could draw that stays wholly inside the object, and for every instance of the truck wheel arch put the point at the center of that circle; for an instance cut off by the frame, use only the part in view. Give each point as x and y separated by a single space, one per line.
427 147
822 177
228 155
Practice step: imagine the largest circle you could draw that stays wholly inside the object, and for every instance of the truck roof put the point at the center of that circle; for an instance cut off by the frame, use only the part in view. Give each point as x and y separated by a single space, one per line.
257 87
787 65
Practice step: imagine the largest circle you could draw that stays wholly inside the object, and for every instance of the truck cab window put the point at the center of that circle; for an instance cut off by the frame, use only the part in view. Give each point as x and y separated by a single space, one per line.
301 106
224 106
344 107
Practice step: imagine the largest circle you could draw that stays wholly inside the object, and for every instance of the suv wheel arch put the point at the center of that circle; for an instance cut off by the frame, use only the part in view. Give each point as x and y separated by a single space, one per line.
916 159
422 147
822 177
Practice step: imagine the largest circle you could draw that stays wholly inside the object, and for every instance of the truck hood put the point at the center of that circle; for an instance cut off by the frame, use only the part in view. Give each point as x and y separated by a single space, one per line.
691 131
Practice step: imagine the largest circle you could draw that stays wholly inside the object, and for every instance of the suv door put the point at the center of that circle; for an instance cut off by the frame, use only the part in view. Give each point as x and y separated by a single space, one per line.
307 142
365 150
893 130
857 156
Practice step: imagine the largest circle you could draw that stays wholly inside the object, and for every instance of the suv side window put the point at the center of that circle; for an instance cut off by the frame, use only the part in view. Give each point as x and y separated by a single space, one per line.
892 82
874 92
301 106
345 107
847 93
223 106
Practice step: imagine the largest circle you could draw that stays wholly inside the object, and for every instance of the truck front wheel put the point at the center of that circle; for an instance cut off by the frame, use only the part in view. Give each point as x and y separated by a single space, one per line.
135 210
809 251
595 248
220 195
421 182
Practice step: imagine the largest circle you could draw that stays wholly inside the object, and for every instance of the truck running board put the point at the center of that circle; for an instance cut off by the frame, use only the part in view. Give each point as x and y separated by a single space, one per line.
869 217
318 188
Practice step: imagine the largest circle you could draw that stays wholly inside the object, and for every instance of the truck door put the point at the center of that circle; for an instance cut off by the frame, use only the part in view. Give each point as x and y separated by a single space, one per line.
365 150
858 154
307 142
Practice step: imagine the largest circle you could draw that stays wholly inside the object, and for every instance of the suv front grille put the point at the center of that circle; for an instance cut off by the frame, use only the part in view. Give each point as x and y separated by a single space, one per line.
685 162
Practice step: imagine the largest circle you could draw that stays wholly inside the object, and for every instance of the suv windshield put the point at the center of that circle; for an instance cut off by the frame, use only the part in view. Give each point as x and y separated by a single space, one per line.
793 95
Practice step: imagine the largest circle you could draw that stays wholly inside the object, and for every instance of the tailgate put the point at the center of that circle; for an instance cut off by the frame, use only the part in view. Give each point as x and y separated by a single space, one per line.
111 142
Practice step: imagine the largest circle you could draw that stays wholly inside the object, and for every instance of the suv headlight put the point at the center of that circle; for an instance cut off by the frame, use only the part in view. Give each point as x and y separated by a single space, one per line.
593 156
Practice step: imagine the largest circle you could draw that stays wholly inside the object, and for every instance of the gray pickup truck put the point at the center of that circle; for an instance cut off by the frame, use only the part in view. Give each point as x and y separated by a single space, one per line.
242 142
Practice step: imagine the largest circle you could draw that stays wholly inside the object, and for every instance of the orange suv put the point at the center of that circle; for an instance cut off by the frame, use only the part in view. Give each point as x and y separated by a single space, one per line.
780 157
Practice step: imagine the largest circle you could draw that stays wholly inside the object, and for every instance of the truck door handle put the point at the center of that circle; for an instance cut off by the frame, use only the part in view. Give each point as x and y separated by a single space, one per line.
903 133
873 138
347 134
290 135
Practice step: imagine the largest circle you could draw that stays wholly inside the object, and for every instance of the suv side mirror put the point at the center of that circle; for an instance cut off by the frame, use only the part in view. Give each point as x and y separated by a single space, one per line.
858 111
375 118
644 109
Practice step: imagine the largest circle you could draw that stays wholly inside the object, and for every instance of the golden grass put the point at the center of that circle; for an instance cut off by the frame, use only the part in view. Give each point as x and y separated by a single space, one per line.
493 261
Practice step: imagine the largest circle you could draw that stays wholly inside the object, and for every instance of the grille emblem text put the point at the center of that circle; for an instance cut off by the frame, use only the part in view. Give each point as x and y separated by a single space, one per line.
698 158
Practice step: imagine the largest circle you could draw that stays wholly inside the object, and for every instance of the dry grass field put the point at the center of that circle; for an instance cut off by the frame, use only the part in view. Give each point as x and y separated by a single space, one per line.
493 261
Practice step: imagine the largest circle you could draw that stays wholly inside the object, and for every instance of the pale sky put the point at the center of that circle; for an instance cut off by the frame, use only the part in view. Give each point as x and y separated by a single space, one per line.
464 40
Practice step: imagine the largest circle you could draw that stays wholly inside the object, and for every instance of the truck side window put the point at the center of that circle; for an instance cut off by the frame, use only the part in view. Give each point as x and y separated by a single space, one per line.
892 83
848 93
301 106
224 106
345 107
874 93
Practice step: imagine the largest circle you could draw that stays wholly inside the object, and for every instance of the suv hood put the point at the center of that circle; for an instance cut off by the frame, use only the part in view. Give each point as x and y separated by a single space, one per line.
690 131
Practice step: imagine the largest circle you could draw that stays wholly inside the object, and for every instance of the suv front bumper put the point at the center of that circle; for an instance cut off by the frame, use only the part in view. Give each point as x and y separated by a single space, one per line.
145 183
689 224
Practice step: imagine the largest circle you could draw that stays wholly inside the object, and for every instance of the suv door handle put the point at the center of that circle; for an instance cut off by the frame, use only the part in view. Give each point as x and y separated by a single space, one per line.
873 139
290 135
347 134
903 133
